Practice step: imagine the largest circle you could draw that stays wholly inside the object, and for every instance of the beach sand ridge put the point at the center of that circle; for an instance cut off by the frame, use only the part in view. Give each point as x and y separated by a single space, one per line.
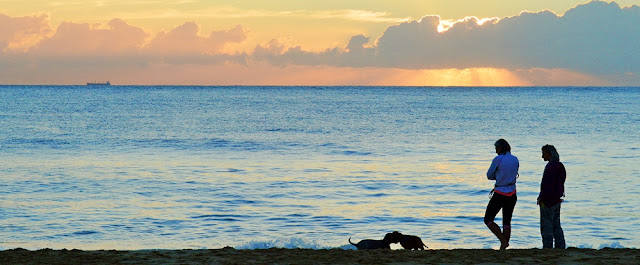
322 256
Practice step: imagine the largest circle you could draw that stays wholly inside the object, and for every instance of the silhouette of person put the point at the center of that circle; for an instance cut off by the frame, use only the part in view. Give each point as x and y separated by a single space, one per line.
550 198
504 170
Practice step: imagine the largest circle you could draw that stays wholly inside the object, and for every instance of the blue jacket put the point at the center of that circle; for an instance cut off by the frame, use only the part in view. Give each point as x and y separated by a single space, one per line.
504 170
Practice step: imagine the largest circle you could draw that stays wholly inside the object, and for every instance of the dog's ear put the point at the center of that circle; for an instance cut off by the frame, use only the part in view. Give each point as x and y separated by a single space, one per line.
394 237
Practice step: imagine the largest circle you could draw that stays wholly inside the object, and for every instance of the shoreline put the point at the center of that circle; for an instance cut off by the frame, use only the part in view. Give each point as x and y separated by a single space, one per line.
230 255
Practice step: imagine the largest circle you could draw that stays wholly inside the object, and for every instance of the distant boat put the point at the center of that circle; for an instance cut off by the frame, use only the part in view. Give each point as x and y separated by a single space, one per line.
98 84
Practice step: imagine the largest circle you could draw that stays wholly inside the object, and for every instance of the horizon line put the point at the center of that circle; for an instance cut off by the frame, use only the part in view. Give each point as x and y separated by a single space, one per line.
407 86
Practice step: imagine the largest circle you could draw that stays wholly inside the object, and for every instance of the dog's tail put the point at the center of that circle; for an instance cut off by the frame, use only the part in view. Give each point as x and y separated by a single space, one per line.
352 242
423 244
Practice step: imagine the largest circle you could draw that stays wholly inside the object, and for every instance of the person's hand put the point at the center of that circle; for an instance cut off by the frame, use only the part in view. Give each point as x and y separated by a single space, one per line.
538 201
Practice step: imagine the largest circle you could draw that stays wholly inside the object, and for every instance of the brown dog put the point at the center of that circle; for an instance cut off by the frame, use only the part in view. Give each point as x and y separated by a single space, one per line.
376 244
412 242
407 241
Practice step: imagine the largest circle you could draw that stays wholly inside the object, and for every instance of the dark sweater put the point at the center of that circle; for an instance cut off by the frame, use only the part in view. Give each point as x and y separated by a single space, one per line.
552 185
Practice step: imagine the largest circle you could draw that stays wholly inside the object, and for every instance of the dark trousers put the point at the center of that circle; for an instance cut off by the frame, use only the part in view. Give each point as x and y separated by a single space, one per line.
550 227
500 202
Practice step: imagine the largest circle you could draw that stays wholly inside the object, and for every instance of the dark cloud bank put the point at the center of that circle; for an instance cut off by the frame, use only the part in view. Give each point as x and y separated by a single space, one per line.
597 37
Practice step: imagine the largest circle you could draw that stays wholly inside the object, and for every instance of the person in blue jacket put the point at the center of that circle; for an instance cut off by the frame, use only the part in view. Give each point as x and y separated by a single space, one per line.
504 170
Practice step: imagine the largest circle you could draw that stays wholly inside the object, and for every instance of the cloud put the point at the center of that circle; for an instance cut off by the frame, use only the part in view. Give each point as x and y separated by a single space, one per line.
83 51
593 43
74 39
117 43
186 39
597 38
20 33
357 15
116 38
232 12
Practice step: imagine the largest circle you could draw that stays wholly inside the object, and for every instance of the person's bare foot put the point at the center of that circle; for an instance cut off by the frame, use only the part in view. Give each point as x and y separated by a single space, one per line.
504 246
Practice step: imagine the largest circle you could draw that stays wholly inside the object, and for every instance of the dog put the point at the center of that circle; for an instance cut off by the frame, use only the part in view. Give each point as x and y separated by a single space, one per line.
385 243
412 242
407 241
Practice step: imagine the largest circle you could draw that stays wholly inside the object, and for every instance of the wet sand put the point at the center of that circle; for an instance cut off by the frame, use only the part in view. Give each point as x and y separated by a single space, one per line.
330 256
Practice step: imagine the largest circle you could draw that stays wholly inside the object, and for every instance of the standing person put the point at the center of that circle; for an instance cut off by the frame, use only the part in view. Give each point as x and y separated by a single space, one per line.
504 170
550 198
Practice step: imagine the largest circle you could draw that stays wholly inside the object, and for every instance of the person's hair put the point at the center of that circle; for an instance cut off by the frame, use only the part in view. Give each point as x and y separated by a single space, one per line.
552 151
504 146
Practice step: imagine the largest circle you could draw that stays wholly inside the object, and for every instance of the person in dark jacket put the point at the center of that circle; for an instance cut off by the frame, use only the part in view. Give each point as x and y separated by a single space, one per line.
550 198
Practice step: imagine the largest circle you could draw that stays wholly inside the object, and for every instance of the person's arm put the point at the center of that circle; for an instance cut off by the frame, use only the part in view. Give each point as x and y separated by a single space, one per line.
546 185
491 173
559 186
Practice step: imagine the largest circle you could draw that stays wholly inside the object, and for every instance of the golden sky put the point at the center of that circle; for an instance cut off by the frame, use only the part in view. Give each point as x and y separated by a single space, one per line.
310 42
299 21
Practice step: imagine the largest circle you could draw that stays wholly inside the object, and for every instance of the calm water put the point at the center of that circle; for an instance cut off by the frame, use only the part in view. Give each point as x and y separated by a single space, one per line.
253 167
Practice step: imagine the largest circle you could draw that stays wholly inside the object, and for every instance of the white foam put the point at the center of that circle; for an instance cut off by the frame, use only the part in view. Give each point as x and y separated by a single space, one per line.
289 243
614 244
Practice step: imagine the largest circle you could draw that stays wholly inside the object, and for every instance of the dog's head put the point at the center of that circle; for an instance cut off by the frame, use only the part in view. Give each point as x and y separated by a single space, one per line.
394 237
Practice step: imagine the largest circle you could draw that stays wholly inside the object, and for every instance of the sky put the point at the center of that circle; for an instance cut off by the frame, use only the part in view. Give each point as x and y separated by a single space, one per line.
329 42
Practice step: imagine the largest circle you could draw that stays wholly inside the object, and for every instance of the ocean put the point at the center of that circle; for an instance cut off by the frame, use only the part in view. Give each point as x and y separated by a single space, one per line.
173 167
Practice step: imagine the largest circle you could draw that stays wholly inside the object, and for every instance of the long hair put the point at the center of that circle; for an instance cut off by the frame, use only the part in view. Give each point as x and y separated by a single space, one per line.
552 151
504 146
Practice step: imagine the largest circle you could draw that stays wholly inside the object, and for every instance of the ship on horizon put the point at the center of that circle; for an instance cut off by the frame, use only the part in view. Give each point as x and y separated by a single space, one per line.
98 83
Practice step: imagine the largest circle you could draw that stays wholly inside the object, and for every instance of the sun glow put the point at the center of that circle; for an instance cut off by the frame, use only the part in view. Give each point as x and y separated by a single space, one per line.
463 77
448 23
404 77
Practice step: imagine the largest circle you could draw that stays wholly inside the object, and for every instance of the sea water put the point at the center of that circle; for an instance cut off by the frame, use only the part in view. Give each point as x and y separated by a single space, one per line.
123 167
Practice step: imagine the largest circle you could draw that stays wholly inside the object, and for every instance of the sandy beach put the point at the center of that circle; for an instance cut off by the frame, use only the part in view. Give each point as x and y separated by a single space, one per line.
330 256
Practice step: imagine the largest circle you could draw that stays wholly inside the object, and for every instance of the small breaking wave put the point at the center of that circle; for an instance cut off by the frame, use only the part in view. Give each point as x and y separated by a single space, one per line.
613 244
288 243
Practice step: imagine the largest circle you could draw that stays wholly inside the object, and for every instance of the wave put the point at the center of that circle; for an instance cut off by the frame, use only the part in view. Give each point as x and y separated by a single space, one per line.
612 244
352 153
288 243
36 142
299 243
